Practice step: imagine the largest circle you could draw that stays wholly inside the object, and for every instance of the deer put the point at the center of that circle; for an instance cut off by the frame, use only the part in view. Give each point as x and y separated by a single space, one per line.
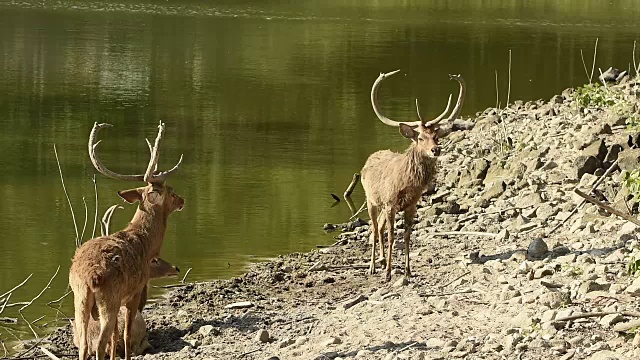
395 182
111 271
158 268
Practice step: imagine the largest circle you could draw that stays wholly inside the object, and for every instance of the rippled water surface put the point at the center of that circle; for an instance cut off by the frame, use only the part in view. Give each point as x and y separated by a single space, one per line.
267 100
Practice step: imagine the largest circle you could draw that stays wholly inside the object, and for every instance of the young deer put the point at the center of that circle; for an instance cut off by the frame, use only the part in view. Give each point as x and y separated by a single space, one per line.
111 271
158 268
395 182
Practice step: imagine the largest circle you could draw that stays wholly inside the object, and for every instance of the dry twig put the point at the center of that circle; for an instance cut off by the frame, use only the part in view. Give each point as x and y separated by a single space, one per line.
73 215
608 208
354 182
34 299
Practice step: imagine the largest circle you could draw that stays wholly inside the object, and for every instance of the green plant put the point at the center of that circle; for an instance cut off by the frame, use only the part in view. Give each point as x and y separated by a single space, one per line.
633 266
631 180
595 95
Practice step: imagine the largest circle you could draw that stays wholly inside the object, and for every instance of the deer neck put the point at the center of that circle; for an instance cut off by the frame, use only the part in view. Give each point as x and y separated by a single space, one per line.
421 166
149 225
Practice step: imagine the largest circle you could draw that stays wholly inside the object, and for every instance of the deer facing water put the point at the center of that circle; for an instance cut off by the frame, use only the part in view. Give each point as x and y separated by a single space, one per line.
395 182
111 271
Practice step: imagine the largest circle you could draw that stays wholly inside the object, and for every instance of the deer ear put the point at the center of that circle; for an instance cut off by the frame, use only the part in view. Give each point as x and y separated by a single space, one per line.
131 195
408 132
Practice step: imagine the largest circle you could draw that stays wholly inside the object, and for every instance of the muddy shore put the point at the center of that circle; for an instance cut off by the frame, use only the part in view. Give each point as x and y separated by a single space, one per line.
499 285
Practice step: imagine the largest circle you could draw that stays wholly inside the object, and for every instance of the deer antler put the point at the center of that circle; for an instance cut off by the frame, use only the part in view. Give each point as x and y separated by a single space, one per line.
456 110
149 176
386 120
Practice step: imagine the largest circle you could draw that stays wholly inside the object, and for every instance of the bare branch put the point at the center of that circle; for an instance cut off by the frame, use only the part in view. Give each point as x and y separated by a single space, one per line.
34 299
73 215
15 287
593 66
95 218
86 218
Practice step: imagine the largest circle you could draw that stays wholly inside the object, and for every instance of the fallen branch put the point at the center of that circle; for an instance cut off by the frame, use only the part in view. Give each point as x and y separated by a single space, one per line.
466 291
49 353
185 275
473 233
593 188
354 182
364 205
248 353
598 314
608 208
456 279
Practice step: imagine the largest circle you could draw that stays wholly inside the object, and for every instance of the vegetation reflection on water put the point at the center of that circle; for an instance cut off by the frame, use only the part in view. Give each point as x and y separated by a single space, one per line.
268 102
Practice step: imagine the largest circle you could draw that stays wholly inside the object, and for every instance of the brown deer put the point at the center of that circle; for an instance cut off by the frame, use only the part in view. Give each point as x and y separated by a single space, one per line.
158 268
395 182
111 271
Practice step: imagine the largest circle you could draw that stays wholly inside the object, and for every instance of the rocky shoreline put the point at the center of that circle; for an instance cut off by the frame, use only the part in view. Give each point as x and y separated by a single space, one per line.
491 279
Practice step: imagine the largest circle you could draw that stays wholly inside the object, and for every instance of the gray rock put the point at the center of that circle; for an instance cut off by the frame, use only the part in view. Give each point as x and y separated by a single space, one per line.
494 191
596 149
611 319
537 249
207 330
262 336
477 171
589 286
586 164
629 159
358 299
552 299
333 340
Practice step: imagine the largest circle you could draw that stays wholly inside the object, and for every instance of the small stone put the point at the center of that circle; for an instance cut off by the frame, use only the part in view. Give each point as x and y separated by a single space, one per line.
611 319
239 305
262 336
552 299
525 267
537 249
628 228
301 340
402 281
540 273
549 315
207 330
350 303
333 340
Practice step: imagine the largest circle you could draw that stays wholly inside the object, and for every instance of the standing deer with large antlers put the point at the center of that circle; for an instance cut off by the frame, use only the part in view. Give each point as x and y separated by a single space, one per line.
111 271
395 182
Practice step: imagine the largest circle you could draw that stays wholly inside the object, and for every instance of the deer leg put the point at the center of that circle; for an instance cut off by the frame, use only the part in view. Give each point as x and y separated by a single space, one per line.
373 215
391 214
129 315
114 340
408 225
83 302
382 221
108 317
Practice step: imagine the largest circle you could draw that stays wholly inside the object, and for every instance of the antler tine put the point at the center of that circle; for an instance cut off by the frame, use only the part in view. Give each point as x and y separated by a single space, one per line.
463 90
456 110
439 118
96 161
418 111
155 154
374 100
161 177
151 152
